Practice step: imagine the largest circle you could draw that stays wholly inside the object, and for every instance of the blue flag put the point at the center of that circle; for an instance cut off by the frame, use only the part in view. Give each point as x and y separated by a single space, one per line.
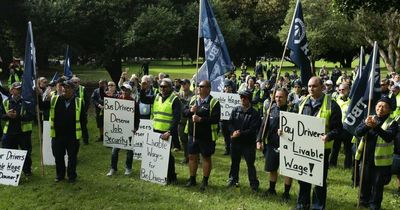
216 52
29 75
216 84
358 108
297 43
360 69
67 64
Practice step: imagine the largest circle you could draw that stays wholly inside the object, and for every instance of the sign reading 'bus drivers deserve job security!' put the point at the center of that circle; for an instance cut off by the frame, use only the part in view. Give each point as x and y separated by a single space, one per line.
301 148
119 124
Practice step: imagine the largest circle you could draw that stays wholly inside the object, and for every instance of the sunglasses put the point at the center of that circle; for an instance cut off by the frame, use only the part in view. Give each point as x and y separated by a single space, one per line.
202 86
163 86
341 89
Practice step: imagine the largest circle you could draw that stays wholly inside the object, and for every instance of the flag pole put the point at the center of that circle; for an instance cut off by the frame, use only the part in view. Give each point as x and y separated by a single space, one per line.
371 88
197 65
37 99
358 74
266 117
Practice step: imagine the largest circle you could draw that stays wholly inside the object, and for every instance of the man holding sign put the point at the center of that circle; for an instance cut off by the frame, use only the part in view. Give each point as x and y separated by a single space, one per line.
166 117
319 105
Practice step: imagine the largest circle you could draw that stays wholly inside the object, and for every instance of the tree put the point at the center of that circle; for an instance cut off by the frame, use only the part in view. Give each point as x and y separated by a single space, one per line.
330 35
377 21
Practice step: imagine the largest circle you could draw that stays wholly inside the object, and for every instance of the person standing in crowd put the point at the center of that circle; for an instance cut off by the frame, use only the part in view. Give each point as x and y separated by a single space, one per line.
15 70
328 87
66 114
271 148
124 77
243 68
111 90
177 85
17 128
166 117
126 94
225 123
294 97
344 137
258 70
256 93
395 98
204 114
396 160
385 83
244 123
98 102
148 91
184 96
380 131
145 67
320 105
80 91
235 83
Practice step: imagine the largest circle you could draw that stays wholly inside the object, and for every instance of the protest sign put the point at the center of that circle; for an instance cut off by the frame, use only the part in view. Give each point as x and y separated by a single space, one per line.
119 118
145 127
301 149
155 157
48 157
11 163
228 101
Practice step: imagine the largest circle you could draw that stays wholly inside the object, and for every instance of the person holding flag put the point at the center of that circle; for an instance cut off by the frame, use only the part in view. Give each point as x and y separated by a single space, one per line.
380 131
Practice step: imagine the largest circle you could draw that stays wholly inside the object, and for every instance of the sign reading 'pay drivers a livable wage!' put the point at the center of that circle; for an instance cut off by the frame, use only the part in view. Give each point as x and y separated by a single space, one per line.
301 148
11 163
145 127
119 124
228 101
155 157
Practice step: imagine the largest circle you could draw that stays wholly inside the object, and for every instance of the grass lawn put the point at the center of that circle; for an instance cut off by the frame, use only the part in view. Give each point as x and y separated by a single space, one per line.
175 69
94 190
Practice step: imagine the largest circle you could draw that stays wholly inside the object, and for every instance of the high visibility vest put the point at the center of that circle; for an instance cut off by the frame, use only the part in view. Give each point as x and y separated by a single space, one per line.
383 155
324 112
344 105
25 125
16 77
256 106
396 113
214 127
163 113
78 108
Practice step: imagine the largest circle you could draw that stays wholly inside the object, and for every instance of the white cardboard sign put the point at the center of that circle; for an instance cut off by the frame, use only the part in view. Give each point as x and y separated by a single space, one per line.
11 163
301 149
145 127
119 115
155 157
228 101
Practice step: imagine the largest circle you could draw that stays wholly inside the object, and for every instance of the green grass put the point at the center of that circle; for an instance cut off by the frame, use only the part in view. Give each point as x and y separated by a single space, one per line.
94 190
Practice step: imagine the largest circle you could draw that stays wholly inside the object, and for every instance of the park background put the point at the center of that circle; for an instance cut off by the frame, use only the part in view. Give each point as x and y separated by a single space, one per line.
107 36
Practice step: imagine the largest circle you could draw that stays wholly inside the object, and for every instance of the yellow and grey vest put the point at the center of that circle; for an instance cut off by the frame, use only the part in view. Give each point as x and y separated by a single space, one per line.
214 127
383 155
25 125
396 113
163 113
344 105
78 108
16 77
324 112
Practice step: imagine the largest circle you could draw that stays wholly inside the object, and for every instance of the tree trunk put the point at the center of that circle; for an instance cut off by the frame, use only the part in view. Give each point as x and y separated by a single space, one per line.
383 55
113 66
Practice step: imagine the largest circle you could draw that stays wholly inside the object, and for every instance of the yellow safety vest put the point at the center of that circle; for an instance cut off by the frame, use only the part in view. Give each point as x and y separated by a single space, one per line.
25 125
396 113
214 127
383 155
324 112
78 108
163 113
344 105
258 105
16 77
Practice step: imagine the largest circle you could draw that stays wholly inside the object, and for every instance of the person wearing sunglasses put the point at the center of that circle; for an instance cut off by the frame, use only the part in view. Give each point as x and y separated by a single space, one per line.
203 113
